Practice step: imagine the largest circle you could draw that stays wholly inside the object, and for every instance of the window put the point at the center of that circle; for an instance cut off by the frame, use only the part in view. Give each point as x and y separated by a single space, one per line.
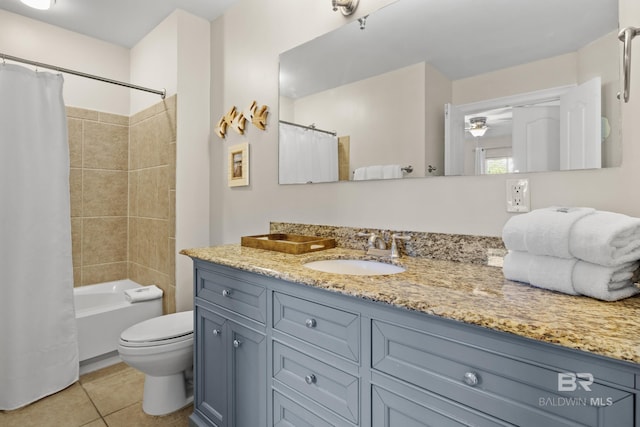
497 165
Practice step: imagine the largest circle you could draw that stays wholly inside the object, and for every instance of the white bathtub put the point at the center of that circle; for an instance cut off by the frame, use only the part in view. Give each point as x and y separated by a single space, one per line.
102 313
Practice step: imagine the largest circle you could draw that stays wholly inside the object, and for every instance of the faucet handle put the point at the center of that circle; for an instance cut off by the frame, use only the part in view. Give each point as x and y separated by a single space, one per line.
395 253
370 236
400 237
363 234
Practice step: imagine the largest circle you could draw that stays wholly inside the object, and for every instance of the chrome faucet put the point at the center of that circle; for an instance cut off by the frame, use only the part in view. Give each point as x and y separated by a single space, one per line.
395 253
374 241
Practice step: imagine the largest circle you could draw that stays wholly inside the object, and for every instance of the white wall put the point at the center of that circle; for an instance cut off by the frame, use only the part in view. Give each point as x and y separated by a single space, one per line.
248 40
396 98
34 40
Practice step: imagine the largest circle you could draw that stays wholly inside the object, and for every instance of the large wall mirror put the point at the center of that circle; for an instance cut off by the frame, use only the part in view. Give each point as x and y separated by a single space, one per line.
424 88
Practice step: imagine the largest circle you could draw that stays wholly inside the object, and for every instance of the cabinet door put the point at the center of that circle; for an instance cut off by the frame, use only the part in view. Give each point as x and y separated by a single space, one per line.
211 366
248 383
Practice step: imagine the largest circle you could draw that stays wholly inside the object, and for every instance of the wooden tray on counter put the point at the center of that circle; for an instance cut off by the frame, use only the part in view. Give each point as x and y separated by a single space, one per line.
288 243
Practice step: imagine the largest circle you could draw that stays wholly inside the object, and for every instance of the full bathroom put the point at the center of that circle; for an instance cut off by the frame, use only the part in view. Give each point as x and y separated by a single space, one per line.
185 187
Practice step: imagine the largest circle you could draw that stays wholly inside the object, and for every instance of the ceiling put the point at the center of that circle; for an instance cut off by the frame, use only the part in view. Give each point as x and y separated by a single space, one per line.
121 22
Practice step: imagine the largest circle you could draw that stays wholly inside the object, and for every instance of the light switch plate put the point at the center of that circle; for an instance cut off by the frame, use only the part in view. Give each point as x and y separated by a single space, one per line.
518 195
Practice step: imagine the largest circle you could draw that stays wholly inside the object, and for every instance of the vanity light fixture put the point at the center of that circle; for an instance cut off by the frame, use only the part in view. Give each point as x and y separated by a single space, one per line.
478 126
40 4
347 7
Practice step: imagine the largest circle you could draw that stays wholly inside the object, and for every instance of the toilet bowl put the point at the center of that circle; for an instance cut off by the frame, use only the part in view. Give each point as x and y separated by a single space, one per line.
162 348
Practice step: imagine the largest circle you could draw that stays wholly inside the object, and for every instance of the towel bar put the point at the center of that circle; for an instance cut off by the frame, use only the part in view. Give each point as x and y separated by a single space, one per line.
626 35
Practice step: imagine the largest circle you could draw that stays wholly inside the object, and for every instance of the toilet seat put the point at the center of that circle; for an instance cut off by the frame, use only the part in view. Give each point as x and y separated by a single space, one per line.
162 330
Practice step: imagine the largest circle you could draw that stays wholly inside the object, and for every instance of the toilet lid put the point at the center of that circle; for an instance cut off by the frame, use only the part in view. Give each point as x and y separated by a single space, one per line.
160 328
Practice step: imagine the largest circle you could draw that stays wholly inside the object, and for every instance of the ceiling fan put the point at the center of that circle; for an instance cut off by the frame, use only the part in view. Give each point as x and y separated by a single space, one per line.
477 126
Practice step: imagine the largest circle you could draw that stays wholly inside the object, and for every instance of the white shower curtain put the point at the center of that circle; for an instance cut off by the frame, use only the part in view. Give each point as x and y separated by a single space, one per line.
38 337
307 155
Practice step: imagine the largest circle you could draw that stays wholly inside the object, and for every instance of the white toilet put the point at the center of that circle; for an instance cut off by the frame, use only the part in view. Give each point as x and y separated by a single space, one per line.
162 348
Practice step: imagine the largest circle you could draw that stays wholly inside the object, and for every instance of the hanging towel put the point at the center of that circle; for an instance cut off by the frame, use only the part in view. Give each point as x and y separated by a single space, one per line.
543 231
391 172
144 293
374 172
360 174
606 238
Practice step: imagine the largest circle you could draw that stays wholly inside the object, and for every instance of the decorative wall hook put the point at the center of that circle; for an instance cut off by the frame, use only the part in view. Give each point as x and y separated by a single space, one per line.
221 128
238 123
237 120
258 115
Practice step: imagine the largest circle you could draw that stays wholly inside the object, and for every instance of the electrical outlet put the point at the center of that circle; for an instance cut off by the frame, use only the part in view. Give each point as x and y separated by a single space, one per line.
518 195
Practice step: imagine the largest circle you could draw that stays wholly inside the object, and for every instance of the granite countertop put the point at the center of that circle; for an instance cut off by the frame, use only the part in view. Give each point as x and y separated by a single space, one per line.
471 293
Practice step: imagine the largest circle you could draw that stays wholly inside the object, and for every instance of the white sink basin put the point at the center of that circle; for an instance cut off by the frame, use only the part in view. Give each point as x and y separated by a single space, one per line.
357 267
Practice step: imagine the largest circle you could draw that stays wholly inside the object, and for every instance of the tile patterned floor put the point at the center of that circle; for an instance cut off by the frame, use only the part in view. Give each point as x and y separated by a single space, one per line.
110 397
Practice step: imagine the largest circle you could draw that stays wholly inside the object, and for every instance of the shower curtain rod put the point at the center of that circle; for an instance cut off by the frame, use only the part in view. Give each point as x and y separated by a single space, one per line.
5 57
312 127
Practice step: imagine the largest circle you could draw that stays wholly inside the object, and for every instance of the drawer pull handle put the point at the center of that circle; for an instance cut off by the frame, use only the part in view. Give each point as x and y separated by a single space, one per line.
470 378
310 379
226 293
216 332
237 343
311 323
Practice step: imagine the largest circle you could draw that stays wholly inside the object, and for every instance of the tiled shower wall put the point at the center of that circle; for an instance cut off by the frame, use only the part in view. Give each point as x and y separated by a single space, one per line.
152 198
122 183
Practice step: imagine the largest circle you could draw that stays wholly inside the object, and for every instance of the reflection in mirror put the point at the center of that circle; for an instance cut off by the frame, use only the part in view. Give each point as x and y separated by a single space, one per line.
383 89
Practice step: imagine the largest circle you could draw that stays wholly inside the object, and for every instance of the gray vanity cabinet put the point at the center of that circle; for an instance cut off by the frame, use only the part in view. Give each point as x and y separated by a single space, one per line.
307 357
230 351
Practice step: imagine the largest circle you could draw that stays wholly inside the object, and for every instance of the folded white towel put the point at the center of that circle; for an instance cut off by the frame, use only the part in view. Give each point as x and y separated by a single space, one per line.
606 238
543 231
541 271
572 276
593 285
144 293
391 172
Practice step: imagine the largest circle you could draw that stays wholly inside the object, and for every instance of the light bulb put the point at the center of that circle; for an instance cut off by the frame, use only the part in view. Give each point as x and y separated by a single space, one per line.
39 4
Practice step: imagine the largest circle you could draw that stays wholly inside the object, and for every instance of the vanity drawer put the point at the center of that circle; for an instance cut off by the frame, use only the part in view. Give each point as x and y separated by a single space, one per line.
289 412
332 388
332 329
233 290
389 409
512 390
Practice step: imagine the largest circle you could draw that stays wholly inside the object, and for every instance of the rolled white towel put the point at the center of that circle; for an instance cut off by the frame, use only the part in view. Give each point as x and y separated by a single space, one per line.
555 274
360 174
143 293
543 231
606 238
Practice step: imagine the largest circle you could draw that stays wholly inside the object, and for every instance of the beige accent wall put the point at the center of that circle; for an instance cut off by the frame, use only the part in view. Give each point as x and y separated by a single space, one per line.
122 181
245 67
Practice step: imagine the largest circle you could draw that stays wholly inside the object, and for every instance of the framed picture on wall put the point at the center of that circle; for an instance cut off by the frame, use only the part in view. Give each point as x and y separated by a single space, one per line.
238 165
